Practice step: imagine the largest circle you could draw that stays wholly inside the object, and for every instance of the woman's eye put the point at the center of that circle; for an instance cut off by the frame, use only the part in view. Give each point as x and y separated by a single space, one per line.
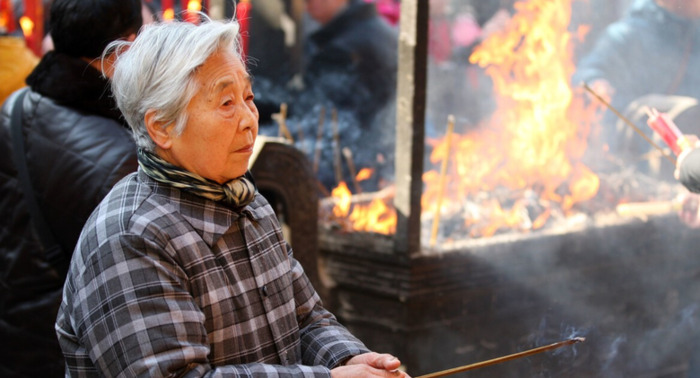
227 103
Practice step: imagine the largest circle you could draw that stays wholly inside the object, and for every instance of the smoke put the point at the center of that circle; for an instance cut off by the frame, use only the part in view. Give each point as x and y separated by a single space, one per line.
614 351
629 288
317 123
628 285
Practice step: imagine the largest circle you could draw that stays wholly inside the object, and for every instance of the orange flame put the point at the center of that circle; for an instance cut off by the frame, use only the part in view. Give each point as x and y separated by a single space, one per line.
377 216
342 196
364 174
534 141
531 140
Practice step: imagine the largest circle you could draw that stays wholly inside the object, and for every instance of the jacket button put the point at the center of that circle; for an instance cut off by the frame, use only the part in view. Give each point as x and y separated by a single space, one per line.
264 290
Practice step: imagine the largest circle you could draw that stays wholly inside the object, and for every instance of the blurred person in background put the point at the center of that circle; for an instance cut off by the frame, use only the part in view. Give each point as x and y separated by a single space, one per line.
182 270
390 10
16 59
77 147
654 49
272 35
455 85
350 65
352 57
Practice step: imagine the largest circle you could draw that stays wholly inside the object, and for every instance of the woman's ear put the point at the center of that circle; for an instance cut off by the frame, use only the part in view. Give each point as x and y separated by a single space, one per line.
159 133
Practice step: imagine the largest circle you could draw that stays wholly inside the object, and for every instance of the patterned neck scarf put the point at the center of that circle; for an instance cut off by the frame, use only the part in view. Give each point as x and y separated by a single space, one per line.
237 193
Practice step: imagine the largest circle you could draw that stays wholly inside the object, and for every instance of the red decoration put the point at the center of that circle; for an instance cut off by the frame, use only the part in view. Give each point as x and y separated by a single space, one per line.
243 9
192 9
166 7
667 130
33 10
8 17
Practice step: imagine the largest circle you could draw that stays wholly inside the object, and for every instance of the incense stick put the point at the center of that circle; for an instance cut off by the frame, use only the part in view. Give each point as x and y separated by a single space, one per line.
319 139
281 119
336 147
347 153
504 358
629 123
443 178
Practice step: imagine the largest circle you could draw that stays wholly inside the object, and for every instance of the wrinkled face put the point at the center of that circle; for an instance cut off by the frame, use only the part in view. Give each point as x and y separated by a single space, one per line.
222 122
323 11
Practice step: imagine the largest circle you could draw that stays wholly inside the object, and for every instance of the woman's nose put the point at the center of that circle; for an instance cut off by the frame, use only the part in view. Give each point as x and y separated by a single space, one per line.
249 116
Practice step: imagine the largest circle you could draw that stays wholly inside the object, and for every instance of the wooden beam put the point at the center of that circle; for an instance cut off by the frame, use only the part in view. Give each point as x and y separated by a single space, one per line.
410 124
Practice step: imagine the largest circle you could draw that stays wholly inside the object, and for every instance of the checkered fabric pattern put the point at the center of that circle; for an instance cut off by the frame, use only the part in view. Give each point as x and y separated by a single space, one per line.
166 283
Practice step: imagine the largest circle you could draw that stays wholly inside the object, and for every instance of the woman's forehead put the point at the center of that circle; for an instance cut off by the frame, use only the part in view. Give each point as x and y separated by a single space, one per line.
222 69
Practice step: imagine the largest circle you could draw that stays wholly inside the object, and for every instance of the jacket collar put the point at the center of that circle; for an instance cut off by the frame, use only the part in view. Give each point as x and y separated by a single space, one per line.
220 218
72 82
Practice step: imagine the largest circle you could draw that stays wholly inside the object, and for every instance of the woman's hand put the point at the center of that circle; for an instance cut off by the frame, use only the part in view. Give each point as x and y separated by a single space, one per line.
370 365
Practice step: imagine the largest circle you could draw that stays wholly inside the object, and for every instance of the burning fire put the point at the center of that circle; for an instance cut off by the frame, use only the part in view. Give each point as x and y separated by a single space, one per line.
377 216
533 143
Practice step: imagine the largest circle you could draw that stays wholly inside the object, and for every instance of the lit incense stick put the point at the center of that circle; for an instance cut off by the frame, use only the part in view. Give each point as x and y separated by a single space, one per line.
443 178
504 358
629 123
336 148
319 139
347 153
281 119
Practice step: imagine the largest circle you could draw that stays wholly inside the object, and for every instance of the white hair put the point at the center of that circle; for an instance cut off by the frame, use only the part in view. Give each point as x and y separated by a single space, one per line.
156 71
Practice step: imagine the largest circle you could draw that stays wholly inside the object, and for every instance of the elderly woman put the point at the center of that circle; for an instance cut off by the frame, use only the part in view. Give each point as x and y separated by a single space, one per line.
182 270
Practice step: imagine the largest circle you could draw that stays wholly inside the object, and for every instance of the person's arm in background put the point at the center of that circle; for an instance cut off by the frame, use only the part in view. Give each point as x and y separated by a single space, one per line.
688 173
606 68
688 166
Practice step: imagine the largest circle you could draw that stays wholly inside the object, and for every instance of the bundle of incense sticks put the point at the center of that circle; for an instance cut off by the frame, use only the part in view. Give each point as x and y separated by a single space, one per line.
667 130
642 209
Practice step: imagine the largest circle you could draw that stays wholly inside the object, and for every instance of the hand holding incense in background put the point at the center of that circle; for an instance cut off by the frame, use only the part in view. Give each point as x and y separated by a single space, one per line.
628 122
667 130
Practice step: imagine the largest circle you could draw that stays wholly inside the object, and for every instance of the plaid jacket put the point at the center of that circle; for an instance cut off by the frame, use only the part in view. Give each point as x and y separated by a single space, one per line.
166 283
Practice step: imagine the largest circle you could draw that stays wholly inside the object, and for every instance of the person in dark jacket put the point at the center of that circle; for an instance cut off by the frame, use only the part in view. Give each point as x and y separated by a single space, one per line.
352 56
351 62
77 147
653 49
688 174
